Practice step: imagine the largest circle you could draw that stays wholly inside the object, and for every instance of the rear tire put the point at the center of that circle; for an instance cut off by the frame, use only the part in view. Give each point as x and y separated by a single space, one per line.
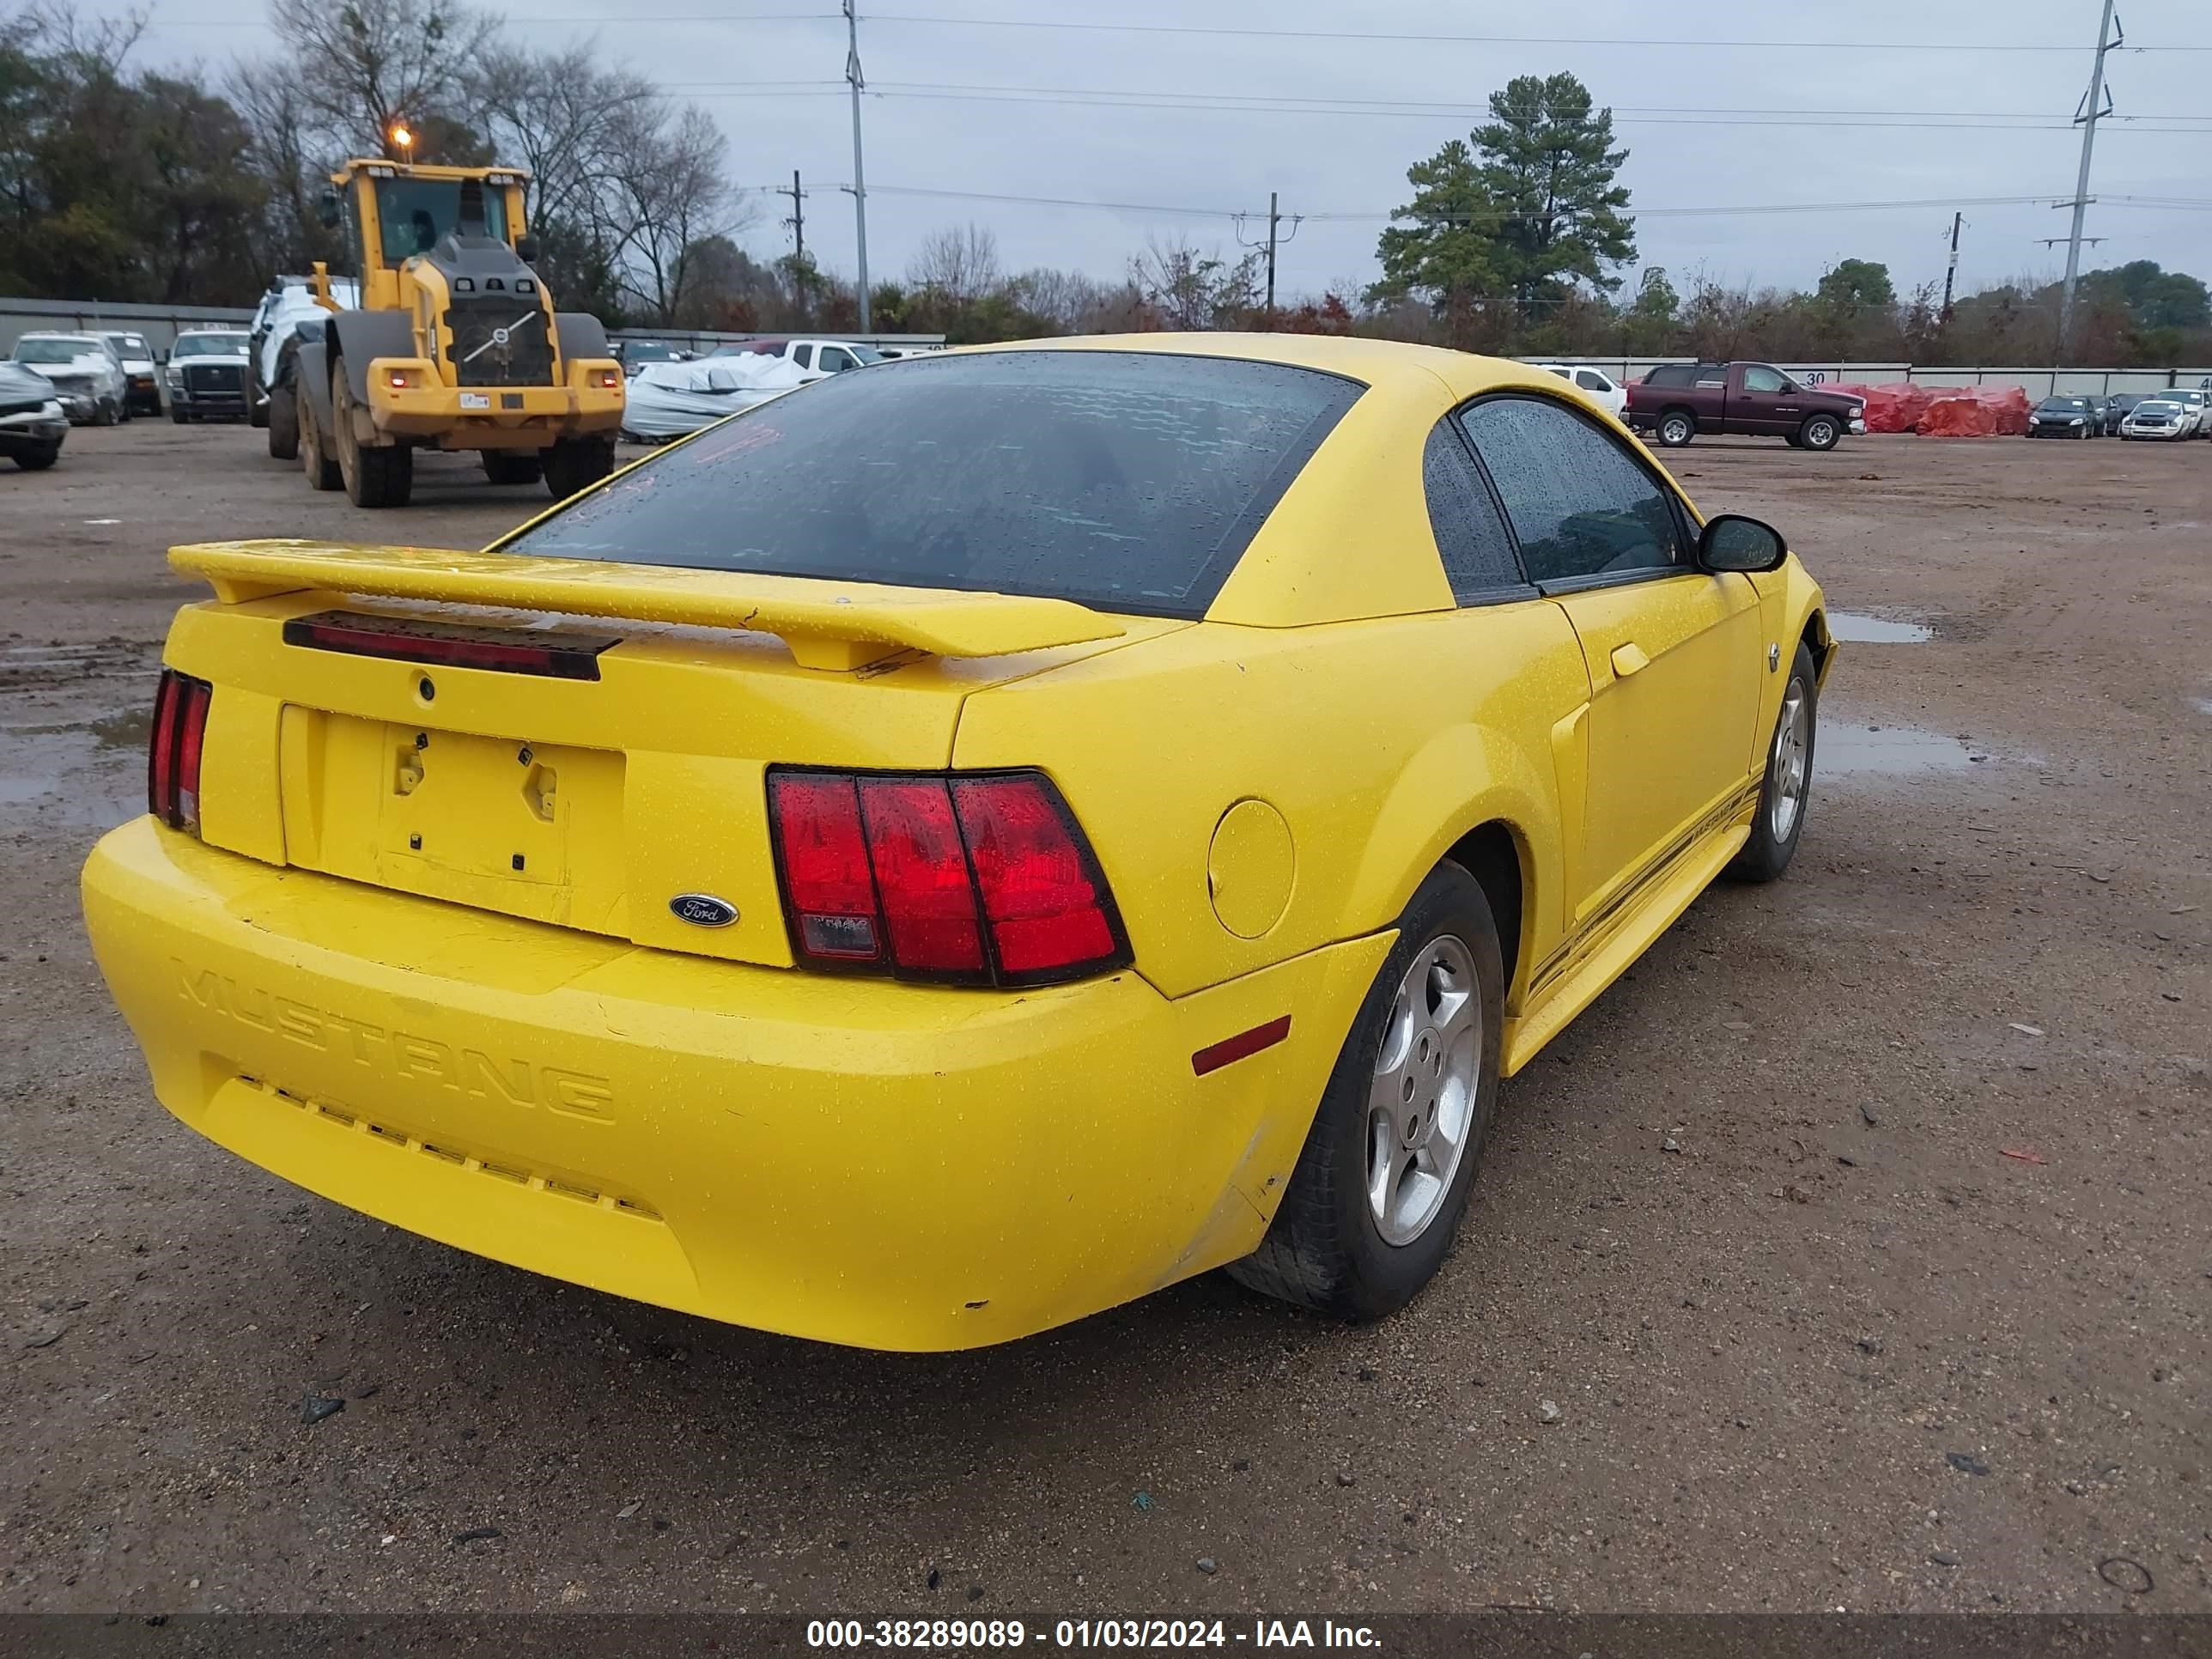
322 470
1785 792
512 466
575 463
1676 428
1422 1051
283 420
375 475
1821 432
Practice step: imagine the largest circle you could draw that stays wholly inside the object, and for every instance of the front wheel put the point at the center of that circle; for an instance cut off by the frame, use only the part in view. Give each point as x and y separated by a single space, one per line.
1383 1177
1821 431
39 459
374 475
1676 428
1786 790
176 415
105 414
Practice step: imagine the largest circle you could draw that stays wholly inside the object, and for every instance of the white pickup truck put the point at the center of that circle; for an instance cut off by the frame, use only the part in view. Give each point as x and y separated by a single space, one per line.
818 357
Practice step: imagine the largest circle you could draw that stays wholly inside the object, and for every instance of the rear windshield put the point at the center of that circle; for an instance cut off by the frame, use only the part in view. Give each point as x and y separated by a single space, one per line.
1130 481
2062 403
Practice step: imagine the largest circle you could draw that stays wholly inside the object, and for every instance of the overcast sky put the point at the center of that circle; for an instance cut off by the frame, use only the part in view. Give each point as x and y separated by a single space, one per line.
1161 131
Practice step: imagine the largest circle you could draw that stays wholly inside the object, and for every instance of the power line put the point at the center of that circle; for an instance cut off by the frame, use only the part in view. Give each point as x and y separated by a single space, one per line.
1976 46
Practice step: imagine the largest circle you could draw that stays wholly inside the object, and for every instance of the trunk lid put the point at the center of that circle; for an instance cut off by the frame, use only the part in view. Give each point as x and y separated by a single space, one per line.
580 744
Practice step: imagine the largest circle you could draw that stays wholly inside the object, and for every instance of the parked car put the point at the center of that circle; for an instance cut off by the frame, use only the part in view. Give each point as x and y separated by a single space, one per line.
818 357
32 422
2198 402
2102 421
2161 418
634 355
2065 417
207 369
289 299
1607 395
1052 871
141 371
86 376
1678 401
2123 404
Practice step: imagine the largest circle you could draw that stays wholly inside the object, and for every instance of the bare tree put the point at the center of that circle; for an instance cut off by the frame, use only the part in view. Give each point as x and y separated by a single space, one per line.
1192 289
668 184
1064 301
363 64
959 263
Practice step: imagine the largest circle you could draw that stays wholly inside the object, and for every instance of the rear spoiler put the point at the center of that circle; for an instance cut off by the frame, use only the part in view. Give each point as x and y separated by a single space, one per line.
830 625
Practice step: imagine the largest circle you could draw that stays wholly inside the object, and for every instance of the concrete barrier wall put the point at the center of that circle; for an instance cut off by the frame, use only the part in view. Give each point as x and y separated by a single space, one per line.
161 324
2038 383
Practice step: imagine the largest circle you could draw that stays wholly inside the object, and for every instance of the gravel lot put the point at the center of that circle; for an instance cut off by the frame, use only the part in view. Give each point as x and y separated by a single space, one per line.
1916 1318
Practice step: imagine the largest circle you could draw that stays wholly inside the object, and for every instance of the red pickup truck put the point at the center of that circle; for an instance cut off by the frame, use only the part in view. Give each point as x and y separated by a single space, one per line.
1678 401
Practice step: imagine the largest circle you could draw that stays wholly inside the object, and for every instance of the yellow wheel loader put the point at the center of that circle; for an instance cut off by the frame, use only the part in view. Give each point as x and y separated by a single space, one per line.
455 343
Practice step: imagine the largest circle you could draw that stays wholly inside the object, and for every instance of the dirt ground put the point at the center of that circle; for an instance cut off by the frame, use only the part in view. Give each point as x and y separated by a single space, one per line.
1916 1318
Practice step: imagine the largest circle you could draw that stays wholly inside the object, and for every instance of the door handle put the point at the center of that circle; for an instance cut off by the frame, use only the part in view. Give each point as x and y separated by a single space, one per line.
1629 660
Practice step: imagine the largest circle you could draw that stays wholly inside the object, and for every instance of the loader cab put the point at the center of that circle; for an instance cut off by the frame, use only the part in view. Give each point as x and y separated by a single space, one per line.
396 211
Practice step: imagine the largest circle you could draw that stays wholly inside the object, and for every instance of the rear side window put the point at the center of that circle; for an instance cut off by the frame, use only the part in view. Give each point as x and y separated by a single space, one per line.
1580 506
1478 552
1130 481
1675 374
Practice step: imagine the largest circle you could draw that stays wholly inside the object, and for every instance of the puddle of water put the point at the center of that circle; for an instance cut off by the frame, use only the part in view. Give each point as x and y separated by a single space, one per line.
69 776
2202 705
1855 628
1850 750
125 730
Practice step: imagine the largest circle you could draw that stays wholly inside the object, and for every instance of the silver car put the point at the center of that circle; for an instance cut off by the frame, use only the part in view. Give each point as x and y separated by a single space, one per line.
86 376
32 424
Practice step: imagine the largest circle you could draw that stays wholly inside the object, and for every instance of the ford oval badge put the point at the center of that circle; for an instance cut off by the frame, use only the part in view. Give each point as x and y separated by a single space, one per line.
703 909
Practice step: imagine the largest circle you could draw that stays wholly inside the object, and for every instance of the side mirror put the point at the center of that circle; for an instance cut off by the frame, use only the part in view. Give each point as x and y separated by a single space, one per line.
526 248
329 209
1732 542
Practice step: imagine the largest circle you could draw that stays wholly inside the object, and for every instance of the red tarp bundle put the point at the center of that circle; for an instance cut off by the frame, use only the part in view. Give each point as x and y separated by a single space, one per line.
1984 412
1893 407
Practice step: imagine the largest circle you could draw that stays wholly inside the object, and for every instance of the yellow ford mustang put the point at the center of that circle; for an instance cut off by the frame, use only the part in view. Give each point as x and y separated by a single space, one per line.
964 844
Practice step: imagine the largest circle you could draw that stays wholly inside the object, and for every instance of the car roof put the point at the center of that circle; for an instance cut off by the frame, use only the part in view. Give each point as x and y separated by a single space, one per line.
1362 487
57 334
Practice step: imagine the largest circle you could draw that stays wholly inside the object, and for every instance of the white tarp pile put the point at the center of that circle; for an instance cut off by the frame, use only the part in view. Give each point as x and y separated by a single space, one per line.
667 400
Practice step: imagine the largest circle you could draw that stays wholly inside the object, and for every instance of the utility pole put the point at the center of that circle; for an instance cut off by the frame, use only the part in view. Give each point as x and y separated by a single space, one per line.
1950 275
798 220
1274 240
2093 107
854 80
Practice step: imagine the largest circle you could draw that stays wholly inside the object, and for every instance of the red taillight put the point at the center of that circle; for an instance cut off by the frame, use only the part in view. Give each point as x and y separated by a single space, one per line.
828 893
921 876
982 880
1040 891
172 750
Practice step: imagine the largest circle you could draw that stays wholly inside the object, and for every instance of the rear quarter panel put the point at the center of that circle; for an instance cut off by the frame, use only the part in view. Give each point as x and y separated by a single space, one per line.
1379 744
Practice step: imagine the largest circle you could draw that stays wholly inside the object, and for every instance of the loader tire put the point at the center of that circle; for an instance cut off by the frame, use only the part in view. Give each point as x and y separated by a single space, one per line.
575 463
315 458
511 466
375 475
283 420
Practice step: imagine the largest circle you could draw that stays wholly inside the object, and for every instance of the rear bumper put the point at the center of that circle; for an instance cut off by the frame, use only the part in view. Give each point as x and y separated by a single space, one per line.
886 1165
